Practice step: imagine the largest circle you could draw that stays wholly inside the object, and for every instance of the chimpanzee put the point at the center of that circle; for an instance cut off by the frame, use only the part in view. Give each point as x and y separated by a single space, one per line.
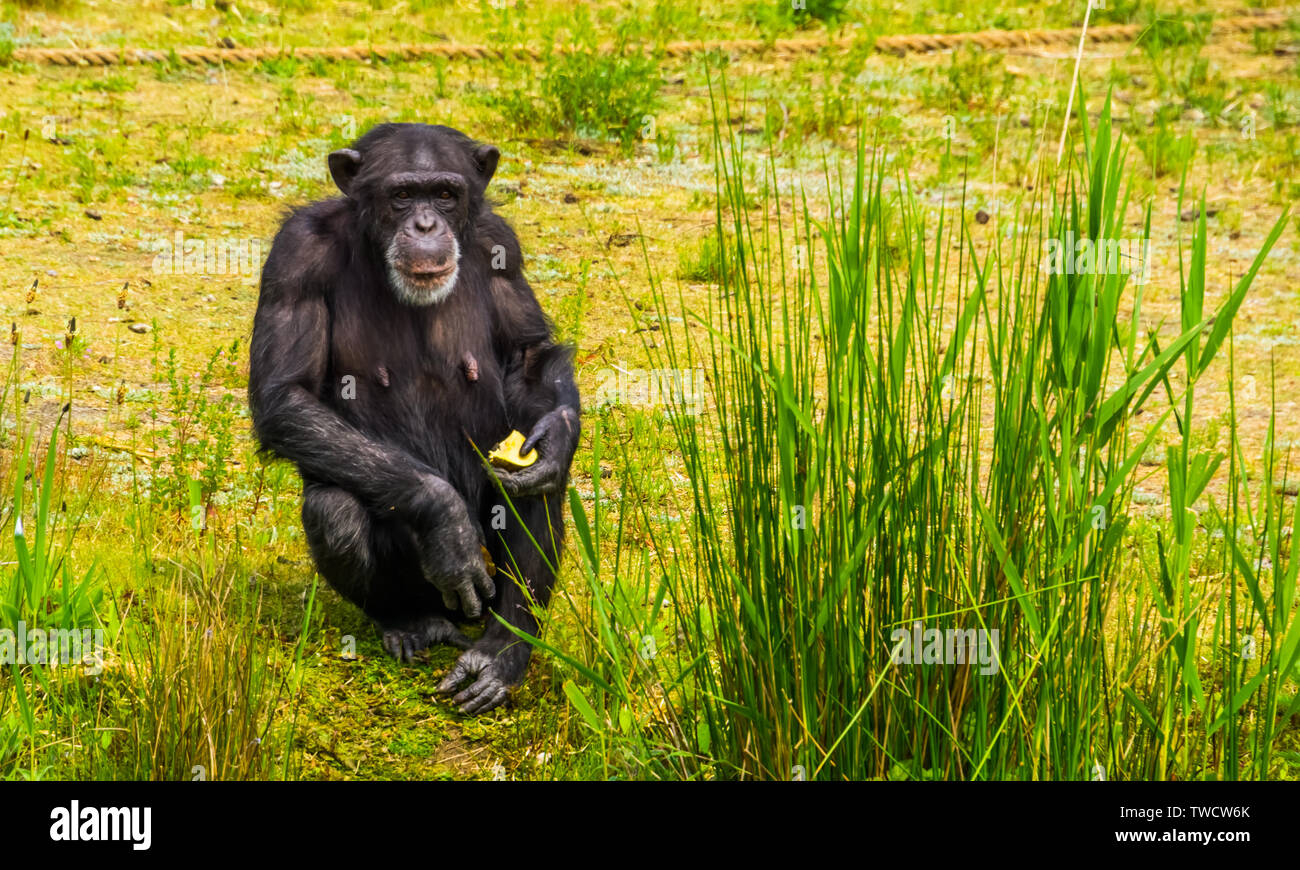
396 341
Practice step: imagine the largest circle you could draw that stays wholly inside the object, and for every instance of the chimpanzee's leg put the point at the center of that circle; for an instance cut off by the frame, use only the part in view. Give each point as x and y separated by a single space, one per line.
373 564
497 661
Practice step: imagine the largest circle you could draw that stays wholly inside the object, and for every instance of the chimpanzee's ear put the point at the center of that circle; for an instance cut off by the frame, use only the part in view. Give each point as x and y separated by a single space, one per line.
485 158
344 166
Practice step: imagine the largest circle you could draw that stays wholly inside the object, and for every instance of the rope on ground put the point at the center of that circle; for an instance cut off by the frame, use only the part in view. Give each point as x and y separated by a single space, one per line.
900 45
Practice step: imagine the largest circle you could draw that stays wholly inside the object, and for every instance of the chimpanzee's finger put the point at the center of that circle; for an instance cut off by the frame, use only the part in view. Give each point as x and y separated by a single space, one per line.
532 480
469 602
540 431
469 664
483 583
457 676
486 693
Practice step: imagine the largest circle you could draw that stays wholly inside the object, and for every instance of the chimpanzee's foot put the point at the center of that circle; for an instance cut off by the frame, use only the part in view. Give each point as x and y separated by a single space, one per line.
403 642
491 684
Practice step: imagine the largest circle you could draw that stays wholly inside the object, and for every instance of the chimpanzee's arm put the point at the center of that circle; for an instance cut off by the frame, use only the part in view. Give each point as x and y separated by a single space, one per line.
540 391
287 364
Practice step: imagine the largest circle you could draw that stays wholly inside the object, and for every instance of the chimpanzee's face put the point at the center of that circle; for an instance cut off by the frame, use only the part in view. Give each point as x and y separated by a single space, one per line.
417 188
422 210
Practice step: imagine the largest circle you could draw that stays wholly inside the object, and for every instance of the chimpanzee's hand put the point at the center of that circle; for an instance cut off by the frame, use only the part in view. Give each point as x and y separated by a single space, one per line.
451 555
555 437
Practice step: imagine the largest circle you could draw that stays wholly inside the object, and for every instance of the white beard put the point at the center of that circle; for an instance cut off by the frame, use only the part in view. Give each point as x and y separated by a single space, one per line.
422 294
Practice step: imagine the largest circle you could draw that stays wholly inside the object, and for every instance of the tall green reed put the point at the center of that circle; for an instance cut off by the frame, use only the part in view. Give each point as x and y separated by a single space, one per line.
186 683
913 425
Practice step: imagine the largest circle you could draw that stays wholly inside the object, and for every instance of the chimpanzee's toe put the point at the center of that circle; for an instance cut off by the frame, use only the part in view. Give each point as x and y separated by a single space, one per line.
404 643
489 688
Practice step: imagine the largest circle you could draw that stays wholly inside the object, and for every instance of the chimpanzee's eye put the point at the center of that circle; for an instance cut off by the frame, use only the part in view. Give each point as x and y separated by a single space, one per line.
446 194
402 195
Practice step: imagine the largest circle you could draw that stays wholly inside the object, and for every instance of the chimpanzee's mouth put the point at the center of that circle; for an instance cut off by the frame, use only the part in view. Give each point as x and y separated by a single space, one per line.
429 273
423 280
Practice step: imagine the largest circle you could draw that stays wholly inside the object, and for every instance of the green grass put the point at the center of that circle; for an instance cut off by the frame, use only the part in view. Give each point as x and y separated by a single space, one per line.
880 454
595 92
181 688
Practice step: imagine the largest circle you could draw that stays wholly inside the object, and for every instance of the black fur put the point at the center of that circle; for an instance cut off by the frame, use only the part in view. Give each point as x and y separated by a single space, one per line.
385 406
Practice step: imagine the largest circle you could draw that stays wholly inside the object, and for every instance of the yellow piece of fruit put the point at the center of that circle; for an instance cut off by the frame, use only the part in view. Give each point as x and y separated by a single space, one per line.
488 564
506 454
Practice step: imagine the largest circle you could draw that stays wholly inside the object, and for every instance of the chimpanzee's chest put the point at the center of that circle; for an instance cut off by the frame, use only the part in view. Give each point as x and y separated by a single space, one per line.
427 378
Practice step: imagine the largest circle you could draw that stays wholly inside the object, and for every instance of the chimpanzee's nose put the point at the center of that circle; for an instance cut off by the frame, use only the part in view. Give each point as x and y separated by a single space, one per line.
425 222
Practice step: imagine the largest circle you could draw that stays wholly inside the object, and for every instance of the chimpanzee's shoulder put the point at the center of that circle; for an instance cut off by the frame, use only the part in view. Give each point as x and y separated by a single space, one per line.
498 241
325 223
314 243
